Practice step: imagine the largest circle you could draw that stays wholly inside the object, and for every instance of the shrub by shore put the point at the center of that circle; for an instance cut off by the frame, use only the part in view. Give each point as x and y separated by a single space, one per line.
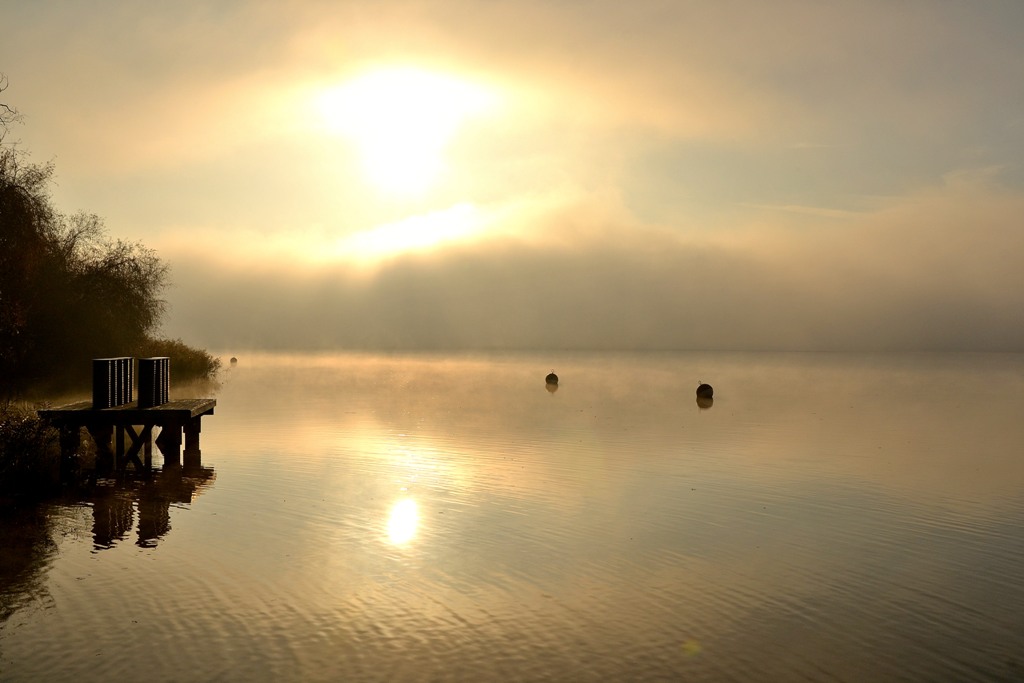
29 455
187 362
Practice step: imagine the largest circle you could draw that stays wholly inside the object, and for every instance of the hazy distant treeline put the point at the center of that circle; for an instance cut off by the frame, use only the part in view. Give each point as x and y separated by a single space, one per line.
69 293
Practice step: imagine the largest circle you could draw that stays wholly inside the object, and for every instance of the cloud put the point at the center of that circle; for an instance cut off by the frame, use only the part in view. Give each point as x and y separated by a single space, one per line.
937 270
664 175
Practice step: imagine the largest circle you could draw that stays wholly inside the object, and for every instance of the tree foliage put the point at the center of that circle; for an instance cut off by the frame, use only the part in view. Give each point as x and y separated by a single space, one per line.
68 293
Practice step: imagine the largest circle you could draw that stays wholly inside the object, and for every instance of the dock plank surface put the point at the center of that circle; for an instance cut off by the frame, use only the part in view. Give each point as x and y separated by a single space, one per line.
130 413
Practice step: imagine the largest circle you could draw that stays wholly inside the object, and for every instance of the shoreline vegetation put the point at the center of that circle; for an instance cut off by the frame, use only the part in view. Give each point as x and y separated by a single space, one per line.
68 293
29 457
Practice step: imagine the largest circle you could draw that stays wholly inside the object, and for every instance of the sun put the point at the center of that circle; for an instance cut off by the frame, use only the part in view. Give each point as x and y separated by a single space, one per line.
403 521
401 120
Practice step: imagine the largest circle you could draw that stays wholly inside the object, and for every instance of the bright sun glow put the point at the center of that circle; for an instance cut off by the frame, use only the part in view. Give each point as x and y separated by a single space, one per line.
403 521
415 233
401 120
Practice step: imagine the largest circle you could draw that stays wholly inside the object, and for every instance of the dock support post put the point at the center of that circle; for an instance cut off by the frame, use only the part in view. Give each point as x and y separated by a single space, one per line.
102 434
147 447
124 434
119 462
193 456
169 443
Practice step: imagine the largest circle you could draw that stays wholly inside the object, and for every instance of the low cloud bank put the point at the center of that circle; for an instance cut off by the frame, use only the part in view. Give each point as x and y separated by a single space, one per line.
939 271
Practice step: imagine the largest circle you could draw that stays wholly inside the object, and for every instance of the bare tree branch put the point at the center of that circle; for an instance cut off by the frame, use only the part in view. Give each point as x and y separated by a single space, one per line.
8 114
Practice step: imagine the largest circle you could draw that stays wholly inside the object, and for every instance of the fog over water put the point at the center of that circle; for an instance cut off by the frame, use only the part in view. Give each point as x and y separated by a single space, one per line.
437 516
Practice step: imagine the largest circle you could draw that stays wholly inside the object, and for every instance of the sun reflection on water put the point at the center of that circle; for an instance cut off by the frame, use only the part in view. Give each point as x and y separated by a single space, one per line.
402 521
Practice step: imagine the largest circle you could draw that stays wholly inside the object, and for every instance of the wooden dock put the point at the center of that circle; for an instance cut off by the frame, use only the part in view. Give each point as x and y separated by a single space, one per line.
125 431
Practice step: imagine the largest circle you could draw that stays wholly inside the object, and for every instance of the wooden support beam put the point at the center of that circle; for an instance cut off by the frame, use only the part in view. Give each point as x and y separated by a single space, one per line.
147 449
169 443
139 440
119 446
101 435
193 456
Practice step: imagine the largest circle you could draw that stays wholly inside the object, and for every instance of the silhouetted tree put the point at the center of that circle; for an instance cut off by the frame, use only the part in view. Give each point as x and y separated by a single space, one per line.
67 292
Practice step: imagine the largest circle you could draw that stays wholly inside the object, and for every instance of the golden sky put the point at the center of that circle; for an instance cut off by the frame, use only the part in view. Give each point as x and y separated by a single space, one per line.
546 174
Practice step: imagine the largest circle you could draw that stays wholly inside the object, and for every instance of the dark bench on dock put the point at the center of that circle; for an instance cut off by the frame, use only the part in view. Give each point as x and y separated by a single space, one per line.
122 427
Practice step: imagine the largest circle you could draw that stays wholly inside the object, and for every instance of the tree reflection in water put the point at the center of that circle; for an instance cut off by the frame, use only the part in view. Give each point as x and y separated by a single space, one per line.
27 535
28 548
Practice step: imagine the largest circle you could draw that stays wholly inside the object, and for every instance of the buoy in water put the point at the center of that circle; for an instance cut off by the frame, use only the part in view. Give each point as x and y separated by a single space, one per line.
233 360
552 378
705 390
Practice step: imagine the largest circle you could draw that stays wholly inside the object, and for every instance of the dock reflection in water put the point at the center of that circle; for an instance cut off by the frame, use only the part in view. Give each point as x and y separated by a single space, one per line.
115 501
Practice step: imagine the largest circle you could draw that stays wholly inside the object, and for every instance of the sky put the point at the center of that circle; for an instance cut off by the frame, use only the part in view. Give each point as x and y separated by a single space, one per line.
519 174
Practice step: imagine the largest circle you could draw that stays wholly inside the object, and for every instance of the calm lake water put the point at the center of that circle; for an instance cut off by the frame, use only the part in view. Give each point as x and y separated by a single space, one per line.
448 518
